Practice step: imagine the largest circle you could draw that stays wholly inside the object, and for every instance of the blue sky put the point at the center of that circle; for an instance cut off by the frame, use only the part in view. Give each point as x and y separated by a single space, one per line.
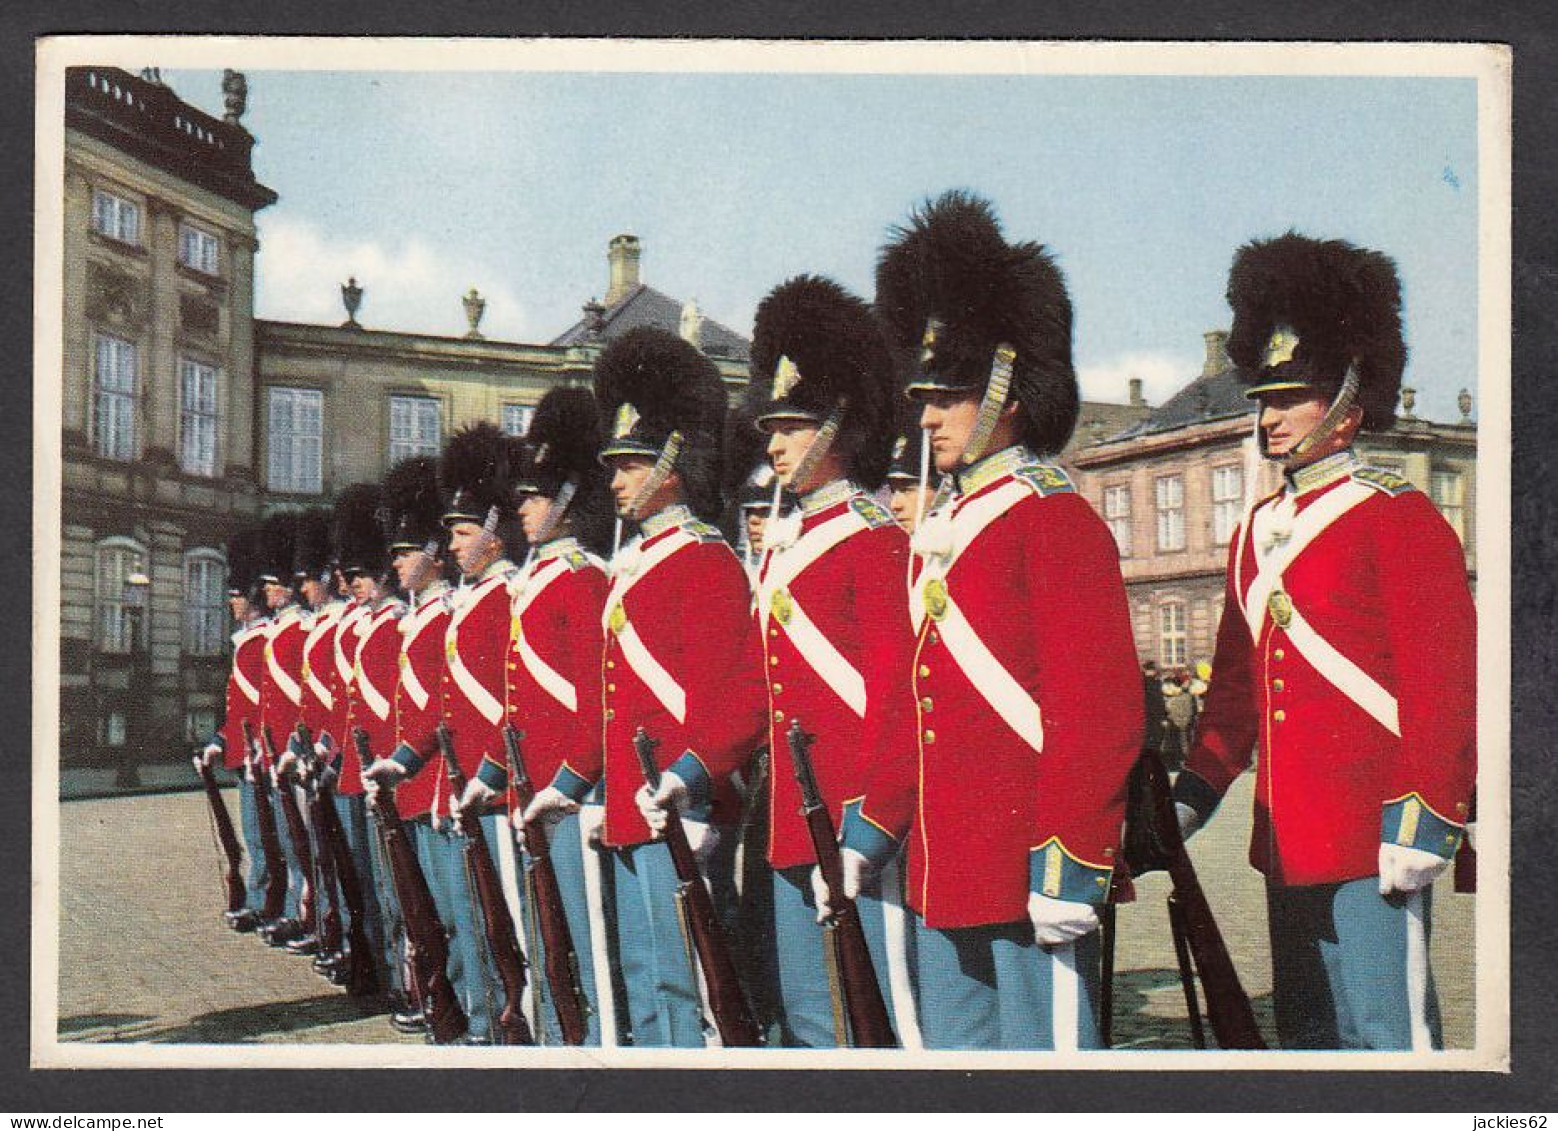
424 184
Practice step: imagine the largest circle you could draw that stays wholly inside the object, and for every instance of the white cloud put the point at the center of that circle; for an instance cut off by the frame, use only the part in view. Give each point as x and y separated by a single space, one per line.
1162 375
408 285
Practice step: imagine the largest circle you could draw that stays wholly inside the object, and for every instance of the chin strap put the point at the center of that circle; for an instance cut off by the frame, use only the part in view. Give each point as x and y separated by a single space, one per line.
559 511
818 449
657 475
997 389
1346 397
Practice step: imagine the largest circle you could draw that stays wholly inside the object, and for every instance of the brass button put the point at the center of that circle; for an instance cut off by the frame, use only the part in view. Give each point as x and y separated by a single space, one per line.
1277 685
773 632
611 663
778 716
1108 852
926 704
778 687
611 687
610 714
512 665
924 672
930 737
1460 806
1102 881
773 661
1279 654
1279 716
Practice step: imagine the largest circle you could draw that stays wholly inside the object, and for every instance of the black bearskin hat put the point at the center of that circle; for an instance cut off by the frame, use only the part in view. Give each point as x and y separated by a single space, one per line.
312 556
951 289
412 505
907 443
816 347
650 383
473 475
562 446
1304 310
359 530
243 563
278 542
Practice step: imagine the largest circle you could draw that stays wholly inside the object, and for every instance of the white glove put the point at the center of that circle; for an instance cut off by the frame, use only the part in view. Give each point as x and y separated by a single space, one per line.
383 771
858 873
286 762
1406 869
475 797
211 753
703 839
1057 922
657 805
1189 820
545 810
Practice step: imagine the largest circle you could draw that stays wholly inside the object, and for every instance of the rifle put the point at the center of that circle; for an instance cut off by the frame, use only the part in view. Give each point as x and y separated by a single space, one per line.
1227 1005
546 905
732 1016
361 979
233 876
425 936
270 839
844 939
496 922
295 828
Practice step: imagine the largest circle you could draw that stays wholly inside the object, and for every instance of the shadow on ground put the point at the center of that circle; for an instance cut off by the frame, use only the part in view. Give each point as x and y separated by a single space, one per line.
1149 1011
224 1026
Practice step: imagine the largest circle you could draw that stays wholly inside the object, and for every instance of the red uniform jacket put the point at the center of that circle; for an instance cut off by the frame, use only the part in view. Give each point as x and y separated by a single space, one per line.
1027 701
343 650
243 690
320 680
1363 707
281 693
370 699
554 665
836 641
682 661
418 705
476 648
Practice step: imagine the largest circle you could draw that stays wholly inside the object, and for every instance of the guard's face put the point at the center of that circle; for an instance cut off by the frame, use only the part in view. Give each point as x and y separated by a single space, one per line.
364 587
788 442
534 510
314 592
757 522
948 419
628 476
1287 416
238 606
277 596
473 548
905 498
412 567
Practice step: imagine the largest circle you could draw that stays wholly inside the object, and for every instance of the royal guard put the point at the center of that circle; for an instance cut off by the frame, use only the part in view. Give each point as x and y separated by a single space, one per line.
1026 705
909 485
246 604
372 640
417 548
680 662
756 501
281 699
483 531
1347 604
831 616
554 684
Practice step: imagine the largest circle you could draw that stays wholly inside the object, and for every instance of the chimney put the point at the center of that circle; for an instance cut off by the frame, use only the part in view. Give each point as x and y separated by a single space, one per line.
622 255
1216 353
1136 400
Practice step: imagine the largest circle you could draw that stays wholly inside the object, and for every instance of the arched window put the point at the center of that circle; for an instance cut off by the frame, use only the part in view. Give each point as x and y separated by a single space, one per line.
205 590
120 621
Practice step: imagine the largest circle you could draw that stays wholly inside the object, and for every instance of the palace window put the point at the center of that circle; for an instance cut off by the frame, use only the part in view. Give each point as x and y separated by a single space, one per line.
1172 651
1117 513
296 418
414 428
198 249
199 724
1448 491
112 729
205 593
197 417
1227 501
121 609
517 418
114 379
1171 512
115 217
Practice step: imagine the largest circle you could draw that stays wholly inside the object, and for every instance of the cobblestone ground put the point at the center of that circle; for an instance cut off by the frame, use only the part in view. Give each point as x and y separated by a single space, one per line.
144 955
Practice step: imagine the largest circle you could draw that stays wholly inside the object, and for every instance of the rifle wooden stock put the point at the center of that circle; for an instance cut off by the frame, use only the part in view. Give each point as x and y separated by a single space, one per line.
1227 1005
869 1026
732 1016
561 961
270 839
425 936
339 872
231 853
296 829
497 924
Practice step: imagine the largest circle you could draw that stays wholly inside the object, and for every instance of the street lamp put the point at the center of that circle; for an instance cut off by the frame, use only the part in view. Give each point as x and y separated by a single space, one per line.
137 589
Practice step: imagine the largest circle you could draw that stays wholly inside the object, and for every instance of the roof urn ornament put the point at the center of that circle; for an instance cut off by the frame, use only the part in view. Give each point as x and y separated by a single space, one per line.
475 307
1408 401
351 298
235 95
1463 402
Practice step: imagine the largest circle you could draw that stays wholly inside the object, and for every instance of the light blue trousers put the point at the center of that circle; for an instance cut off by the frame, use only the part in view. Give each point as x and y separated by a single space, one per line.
257 877
471 968
373 877
995 988
567 854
